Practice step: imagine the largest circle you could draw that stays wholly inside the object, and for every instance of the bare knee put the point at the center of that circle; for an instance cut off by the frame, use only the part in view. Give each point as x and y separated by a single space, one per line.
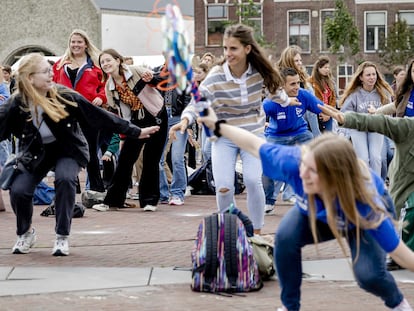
224 190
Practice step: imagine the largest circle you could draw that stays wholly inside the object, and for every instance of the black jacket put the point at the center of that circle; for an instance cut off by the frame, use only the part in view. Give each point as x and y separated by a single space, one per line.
15 119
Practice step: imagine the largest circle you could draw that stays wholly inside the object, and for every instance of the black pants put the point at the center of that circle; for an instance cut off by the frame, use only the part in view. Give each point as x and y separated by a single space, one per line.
21 192
149 184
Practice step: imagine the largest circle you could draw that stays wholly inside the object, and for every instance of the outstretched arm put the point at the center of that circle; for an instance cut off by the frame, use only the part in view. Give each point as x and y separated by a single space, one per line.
242 138
403 256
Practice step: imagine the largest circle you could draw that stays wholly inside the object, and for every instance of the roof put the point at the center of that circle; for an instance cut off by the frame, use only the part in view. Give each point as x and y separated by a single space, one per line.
186 6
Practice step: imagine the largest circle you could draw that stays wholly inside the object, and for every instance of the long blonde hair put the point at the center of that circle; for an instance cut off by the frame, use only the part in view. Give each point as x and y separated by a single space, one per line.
91 49
383 88
52 104
345 180
286 61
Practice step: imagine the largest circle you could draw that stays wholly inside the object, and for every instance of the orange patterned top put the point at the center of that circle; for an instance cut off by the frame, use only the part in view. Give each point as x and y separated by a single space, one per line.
128 97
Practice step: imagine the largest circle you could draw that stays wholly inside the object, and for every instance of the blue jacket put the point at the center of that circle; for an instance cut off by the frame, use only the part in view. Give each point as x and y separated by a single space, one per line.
4 91
289 121
282 163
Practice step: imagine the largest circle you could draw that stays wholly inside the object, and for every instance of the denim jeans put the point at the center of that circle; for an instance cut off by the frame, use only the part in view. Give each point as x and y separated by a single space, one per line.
224 156
368 147
386 156
179 175
370 269
205 145
5 151
313 122
270 188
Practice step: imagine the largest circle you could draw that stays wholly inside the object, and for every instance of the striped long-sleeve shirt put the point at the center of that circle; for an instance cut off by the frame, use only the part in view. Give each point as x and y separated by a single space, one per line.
236 100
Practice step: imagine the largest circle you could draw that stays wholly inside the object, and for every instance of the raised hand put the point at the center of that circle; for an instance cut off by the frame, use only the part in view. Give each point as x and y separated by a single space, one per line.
332 112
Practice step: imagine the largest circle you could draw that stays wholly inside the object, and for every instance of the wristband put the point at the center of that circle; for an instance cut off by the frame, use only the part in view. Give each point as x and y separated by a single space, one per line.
217 127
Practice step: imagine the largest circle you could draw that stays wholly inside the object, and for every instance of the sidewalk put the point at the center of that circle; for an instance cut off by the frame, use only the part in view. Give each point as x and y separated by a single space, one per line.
135 260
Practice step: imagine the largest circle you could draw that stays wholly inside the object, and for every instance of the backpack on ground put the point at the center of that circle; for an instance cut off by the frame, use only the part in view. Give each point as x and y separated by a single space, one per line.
90 198
202 182
222 258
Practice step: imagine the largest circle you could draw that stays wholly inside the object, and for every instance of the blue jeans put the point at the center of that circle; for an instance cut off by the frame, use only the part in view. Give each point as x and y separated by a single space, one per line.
313 122
386 155
270 188
205 145
223 158
370 269
5 151
179 175
368 147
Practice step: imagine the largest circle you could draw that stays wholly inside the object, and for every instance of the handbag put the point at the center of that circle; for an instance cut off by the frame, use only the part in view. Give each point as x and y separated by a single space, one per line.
9 172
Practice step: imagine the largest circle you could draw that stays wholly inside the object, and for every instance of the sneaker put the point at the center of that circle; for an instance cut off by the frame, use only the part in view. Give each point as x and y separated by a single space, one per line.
392 265
290 201
188 191
164 202
176 201
101 207
25 242
150 208
269 208
403 306
61 247
134 196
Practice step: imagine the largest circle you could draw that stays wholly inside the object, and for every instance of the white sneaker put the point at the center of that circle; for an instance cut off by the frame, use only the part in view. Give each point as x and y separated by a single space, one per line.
403 306
176 201
292 201
188 191
150 208
25 242
61 247
269 208
101 207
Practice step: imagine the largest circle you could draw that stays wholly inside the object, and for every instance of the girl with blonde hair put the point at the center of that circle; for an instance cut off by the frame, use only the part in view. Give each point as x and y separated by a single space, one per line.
338 197
49 120
367 90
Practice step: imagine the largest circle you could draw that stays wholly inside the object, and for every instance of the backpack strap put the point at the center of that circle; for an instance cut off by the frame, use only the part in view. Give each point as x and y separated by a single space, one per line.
230 249
211 228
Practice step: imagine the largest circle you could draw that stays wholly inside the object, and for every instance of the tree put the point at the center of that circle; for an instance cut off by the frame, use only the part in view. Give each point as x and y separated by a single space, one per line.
341 32
250 13
398 46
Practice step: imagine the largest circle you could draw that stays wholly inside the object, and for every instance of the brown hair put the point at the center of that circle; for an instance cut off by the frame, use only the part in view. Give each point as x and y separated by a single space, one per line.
256 57
115 55
381 85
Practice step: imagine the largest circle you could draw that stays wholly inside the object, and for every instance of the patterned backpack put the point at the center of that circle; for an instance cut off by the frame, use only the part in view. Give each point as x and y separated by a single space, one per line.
222 258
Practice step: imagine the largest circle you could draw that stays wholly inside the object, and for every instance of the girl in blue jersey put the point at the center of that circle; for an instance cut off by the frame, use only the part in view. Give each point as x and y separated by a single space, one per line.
337 196
404 99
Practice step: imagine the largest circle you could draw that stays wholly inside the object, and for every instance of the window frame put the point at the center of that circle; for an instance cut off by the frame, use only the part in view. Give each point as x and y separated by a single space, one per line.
376 35
308 50
347 76
224 19
322 34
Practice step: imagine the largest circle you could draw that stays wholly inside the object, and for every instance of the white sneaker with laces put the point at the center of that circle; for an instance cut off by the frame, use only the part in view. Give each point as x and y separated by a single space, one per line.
25 242
101 207
269 208
61 247
403 306
150 208
176 201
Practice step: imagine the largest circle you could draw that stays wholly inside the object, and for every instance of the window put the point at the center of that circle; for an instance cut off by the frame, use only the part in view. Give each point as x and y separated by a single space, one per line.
408 17
299 29
374 30
251 14
217 20
345 73
325 14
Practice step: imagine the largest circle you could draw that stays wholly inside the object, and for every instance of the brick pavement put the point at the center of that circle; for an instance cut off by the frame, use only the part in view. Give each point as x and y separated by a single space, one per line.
133 238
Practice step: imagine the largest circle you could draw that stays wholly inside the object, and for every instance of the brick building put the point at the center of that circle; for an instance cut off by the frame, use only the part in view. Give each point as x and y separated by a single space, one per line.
283 23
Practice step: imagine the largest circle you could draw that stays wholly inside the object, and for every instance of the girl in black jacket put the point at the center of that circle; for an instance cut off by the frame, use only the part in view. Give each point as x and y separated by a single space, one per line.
48 120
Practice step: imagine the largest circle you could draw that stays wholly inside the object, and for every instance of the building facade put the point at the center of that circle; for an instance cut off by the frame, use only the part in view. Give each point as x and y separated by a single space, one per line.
284 23
132 27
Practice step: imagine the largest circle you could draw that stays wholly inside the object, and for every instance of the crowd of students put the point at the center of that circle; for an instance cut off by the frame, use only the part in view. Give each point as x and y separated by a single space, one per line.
90 99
